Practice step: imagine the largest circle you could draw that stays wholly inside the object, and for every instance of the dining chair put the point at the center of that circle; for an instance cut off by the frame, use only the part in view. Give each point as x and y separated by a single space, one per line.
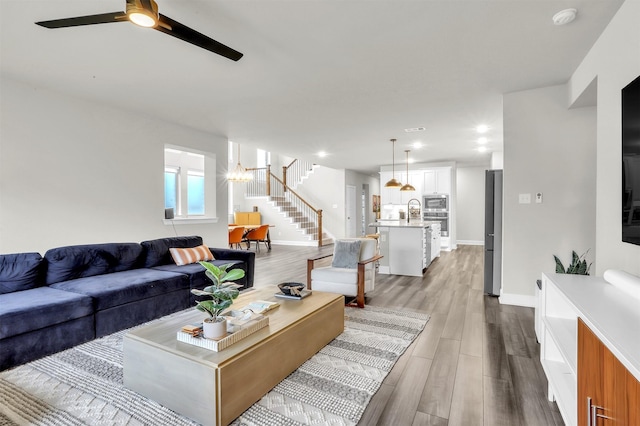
235 237
259 235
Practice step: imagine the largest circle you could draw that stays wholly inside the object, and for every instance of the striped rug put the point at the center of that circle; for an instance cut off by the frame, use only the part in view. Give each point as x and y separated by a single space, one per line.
83 385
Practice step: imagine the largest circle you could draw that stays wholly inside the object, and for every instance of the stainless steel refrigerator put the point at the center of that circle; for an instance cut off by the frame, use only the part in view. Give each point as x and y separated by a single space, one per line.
493 232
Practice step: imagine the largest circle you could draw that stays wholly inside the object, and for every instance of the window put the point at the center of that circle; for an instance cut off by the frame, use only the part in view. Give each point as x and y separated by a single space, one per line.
263 158
189 183
171 188
195 193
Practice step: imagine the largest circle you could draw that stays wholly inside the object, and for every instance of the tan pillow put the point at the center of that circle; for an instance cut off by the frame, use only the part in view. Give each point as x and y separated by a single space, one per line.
185 256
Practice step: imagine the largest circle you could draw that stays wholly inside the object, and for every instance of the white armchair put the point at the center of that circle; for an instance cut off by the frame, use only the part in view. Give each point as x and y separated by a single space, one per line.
352 271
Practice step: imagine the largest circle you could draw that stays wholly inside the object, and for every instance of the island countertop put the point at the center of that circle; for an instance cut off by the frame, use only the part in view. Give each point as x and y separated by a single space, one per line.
403 224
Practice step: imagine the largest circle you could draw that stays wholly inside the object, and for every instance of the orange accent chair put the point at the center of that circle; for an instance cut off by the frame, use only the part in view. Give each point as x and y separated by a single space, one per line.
235 237
259 235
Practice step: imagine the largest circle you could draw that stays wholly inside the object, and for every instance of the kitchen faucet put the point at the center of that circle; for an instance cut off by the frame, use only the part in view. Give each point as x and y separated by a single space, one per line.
409 210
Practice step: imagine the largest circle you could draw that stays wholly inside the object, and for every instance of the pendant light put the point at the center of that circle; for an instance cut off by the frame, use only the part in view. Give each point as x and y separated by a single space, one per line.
239 173
393 183
408 186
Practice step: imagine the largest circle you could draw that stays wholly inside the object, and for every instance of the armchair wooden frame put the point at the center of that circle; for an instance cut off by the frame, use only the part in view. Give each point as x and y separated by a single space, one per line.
359 300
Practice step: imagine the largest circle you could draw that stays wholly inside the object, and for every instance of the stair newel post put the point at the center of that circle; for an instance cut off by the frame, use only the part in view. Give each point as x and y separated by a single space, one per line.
268 180
320 228
284 177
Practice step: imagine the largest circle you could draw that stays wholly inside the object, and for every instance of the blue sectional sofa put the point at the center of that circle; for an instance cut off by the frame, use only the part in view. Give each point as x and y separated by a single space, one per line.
77 293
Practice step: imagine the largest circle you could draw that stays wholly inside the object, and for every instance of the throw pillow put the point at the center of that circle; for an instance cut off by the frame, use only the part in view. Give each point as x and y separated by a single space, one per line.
185 256
346 254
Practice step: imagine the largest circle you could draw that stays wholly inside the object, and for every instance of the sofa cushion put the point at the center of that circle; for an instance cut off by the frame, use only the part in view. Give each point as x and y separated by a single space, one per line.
69 263
36 308
20 271
196 272
123 287
185 256
157 251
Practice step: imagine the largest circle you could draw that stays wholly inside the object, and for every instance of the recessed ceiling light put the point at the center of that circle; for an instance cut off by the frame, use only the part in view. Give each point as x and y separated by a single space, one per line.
415 129
482 149
564 16
321 154
417 144
482 128
482 140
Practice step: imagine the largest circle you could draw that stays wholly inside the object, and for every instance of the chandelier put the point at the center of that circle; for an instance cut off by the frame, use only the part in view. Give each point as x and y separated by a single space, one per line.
239 173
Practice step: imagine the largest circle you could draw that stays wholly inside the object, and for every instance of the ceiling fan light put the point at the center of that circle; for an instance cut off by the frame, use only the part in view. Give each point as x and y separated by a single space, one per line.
143 19
142 16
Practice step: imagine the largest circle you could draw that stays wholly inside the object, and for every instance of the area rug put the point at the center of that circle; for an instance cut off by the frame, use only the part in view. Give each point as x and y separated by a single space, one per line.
83 385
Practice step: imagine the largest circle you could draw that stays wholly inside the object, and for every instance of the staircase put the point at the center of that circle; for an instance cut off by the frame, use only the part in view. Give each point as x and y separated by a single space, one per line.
303 223
281 195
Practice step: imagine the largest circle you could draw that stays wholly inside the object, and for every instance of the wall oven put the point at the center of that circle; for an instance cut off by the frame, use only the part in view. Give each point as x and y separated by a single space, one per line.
435 203
441 217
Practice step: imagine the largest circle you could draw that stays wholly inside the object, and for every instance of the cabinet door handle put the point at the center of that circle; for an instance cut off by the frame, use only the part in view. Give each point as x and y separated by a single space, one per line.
593 415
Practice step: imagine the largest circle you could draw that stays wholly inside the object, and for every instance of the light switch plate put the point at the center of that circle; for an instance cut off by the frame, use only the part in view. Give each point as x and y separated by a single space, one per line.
524 198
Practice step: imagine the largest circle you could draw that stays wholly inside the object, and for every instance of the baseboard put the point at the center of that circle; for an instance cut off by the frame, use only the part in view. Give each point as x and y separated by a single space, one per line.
517 300
311 243
470 243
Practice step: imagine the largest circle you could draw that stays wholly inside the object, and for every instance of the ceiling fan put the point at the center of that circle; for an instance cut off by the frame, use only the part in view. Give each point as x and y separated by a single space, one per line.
145 14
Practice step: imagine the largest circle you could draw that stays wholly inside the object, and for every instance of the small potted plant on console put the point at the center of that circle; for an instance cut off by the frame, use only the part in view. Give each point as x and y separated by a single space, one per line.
219 297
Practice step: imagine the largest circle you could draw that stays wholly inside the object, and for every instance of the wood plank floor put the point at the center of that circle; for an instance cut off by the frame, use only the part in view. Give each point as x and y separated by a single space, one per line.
476 362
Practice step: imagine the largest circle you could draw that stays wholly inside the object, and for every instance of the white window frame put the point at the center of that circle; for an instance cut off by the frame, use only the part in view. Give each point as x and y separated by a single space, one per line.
188 161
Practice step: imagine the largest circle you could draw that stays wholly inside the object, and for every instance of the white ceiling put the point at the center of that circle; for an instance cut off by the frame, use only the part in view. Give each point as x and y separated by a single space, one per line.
340 76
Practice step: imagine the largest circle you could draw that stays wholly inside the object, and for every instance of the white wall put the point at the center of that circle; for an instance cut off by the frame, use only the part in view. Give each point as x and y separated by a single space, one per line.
470 198
615 61
497 160
548 148
75 172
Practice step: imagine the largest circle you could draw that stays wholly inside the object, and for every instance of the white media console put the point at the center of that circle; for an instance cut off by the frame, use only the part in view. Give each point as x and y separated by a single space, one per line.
611 314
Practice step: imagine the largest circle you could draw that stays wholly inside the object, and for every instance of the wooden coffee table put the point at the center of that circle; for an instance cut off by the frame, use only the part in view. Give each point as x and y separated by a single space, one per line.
214 388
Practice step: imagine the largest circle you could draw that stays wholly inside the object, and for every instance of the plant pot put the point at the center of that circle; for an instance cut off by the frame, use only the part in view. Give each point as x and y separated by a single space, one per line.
214 328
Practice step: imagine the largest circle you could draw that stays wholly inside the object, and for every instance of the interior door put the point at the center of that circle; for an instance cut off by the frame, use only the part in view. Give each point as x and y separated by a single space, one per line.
351 211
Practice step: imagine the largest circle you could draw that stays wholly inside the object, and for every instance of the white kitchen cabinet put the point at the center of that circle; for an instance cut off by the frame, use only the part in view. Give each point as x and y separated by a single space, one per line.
437 181
429 182
390 195
417 180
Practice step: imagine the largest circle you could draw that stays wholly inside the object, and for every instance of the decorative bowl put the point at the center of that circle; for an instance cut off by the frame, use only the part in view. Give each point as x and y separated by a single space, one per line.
291 289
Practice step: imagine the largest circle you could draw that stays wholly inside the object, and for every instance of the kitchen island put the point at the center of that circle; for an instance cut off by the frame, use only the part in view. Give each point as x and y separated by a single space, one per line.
408 247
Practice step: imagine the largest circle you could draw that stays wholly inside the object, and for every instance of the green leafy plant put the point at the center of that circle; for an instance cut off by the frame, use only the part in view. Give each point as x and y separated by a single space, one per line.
222 293
578 265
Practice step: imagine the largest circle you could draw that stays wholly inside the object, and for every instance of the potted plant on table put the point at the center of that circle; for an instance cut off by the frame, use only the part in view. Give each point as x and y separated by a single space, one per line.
578 265
219 296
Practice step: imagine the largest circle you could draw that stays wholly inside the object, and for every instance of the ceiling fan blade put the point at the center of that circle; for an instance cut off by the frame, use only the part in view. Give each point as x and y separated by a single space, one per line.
176 29
104 18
